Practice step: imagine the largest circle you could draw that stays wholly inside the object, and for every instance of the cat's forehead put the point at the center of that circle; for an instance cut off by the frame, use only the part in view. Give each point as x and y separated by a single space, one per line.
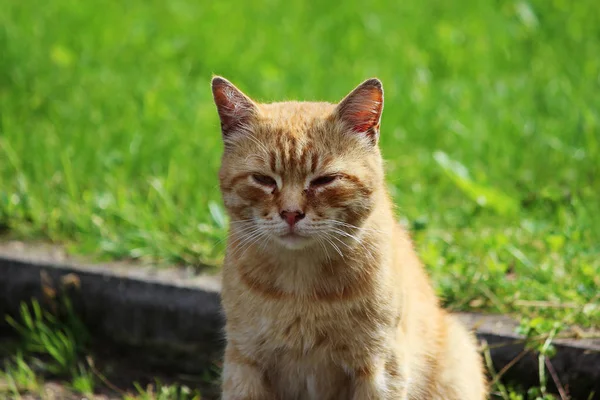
295 113
290 138
292 124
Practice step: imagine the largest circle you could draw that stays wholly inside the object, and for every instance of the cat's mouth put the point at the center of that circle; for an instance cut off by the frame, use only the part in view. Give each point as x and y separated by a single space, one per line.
293 240
293 236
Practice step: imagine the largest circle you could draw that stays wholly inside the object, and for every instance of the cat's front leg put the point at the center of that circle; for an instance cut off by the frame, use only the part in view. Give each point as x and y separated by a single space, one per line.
379 381
242 378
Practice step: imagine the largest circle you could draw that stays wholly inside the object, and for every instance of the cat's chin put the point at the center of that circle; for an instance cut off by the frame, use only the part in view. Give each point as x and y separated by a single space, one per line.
293 241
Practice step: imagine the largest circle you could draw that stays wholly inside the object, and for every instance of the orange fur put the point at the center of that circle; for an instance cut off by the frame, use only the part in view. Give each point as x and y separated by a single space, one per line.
333 304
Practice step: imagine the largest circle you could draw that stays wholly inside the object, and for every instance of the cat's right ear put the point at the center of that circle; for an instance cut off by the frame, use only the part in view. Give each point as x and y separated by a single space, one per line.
234 107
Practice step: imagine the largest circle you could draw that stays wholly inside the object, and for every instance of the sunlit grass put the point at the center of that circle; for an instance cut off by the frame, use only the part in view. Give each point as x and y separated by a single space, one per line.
160 391
53 345
109 141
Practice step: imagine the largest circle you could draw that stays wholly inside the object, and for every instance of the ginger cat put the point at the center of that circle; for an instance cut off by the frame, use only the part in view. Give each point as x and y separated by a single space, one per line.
323 293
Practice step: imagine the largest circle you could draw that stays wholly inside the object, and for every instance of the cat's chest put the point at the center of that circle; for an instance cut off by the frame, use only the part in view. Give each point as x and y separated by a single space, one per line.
305 320
302 330
295 345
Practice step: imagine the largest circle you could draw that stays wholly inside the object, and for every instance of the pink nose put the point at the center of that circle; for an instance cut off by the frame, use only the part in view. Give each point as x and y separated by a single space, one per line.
291 217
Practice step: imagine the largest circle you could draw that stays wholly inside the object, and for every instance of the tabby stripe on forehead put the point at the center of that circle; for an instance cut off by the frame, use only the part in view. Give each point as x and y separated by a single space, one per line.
308 151
279 153
280 143
293 147
298 156
273 161
314 162
289 155
304 156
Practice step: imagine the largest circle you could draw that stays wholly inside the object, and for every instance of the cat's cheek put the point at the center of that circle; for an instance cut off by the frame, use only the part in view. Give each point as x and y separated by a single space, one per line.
253 195
340 197
234 204
359 211
346 204
265 212
246 202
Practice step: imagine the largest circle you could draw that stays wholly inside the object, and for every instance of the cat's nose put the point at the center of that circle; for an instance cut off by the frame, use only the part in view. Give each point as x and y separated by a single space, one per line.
291 217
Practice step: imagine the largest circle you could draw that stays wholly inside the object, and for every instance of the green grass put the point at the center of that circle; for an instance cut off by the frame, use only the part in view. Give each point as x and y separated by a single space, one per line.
18 377
110 143
55 341
53 347
163 392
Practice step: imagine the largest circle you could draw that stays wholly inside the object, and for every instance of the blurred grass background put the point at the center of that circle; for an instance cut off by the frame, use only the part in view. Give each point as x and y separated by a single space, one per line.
110 143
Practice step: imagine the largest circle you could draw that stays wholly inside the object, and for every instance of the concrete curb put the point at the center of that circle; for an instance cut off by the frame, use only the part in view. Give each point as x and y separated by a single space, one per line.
155 313
577 361
176 318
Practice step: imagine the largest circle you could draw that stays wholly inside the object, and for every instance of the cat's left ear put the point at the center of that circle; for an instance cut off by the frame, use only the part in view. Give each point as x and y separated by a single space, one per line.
361 109
234 107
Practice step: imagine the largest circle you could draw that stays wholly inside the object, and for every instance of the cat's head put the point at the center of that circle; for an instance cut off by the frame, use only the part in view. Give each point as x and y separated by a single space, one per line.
299 174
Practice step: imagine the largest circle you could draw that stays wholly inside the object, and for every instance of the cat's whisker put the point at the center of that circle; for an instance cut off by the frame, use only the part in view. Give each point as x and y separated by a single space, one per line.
237 247
240 228
346 245
241 221
234 230
243 229
345 224
327 256
244 236
256 240
244 239
359 228
242 232
263 247
240 235
368 251
336 248
247 237
319 240
346 234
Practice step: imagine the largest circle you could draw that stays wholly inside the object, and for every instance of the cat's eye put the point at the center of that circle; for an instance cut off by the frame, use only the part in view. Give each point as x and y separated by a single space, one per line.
264 180
323 180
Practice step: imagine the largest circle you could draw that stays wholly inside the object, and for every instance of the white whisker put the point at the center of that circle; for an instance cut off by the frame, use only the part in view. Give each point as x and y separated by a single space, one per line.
320 241
253 242
245 239
336 248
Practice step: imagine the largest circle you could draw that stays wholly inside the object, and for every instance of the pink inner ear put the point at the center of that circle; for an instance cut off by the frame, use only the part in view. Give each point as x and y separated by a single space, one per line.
233 106
362 108
364 120
223 100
